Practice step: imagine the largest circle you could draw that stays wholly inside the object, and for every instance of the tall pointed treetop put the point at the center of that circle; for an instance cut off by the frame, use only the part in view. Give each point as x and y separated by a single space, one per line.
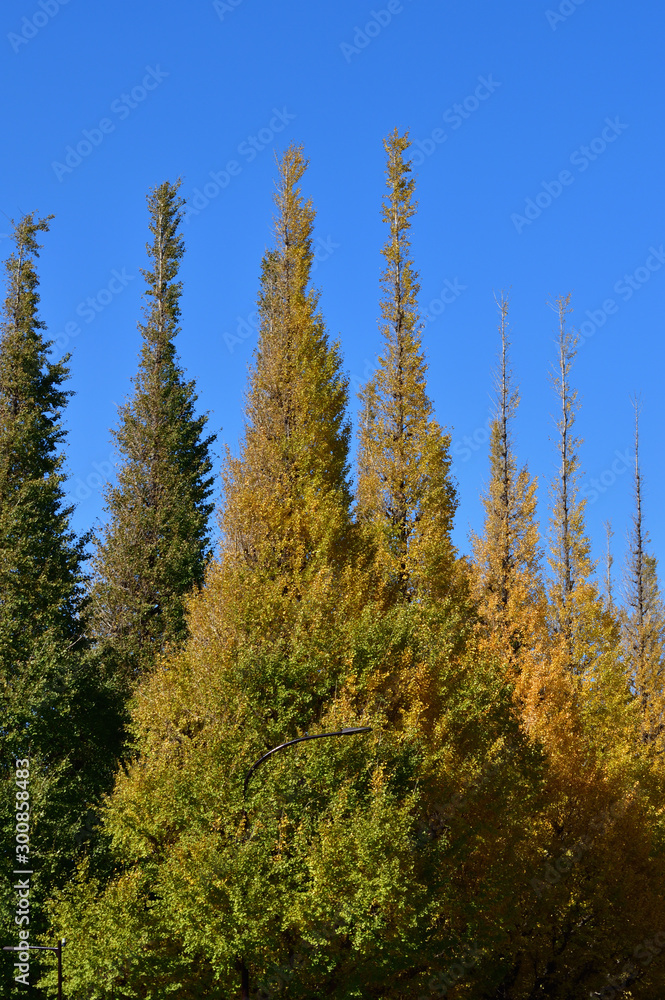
39 560
509 589
405 495
644 616
584 632
287 495
155 547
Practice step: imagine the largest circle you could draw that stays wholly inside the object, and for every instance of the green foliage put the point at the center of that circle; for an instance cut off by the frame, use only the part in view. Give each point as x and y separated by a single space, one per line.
55 710
286 513
498 834
406 499
155 546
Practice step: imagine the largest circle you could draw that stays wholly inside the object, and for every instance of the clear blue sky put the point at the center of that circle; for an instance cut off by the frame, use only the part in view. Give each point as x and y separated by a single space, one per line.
562 105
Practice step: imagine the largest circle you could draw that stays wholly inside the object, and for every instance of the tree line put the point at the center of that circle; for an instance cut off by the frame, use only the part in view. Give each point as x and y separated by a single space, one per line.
498 834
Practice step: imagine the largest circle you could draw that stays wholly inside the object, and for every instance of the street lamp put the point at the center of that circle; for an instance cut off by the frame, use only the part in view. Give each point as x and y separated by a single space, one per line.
43 947
244 971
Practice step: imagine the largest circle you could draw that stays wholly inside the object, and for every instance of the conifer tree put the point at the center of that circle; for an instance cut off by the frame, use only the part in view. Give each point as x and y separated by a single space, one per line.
40 561
53 712
278 599
508 585
579 715
644 617
584 660
286 516
405 497
579 634
155 546
609 562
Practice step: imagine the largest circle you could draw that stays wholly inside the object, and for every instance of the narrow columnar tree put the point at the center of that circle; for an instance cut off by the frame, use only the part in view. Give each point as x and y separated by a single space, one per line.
377 865
586 678
572 590
286 504
644 617
156 545
406 499
40 561
52 712
609 562
578 710
508 586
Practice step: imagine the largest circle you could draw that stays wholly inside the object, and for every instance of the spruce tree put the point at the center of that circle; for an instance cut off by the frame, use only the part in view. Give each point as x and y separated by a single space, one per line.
53 711
155 547
405 496
643 619
40 561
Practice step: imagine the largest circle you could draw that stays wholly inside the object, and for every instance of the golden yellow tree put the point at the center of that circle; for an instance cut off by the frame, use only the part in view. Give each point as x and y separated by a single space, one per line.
287 495
507 583
405 497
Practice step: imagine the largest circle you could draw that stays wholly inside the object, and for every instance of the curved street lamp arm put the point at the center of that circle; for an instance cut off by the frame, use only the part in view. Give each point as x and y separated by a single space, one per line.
32 947
300 739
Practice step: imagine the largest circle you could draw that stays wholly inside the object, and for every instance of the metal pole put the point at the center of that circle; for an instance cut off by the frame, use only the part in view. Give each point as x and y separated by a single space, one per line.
244 981
43 947
244 971
300 739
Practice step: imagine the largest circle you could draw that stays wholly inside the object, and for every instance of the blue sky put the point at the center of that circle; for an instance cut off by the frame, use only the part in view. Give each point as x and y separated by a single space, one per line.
537 133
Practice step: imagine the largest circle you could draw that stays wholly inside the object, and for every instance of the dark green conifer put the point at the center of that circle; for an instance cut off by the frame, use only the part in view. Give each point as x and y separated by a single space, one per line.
52 709
155 546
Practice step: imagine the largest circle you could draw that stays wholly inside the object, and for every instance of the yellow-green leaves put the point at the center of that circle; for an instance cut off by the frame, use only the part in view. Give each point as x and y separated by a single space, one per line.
405 498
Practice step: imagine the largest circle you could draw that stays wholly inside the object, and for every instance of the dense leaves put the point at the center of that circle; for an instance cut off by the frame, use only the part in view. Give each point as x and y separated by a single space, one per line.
499 833
56 711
